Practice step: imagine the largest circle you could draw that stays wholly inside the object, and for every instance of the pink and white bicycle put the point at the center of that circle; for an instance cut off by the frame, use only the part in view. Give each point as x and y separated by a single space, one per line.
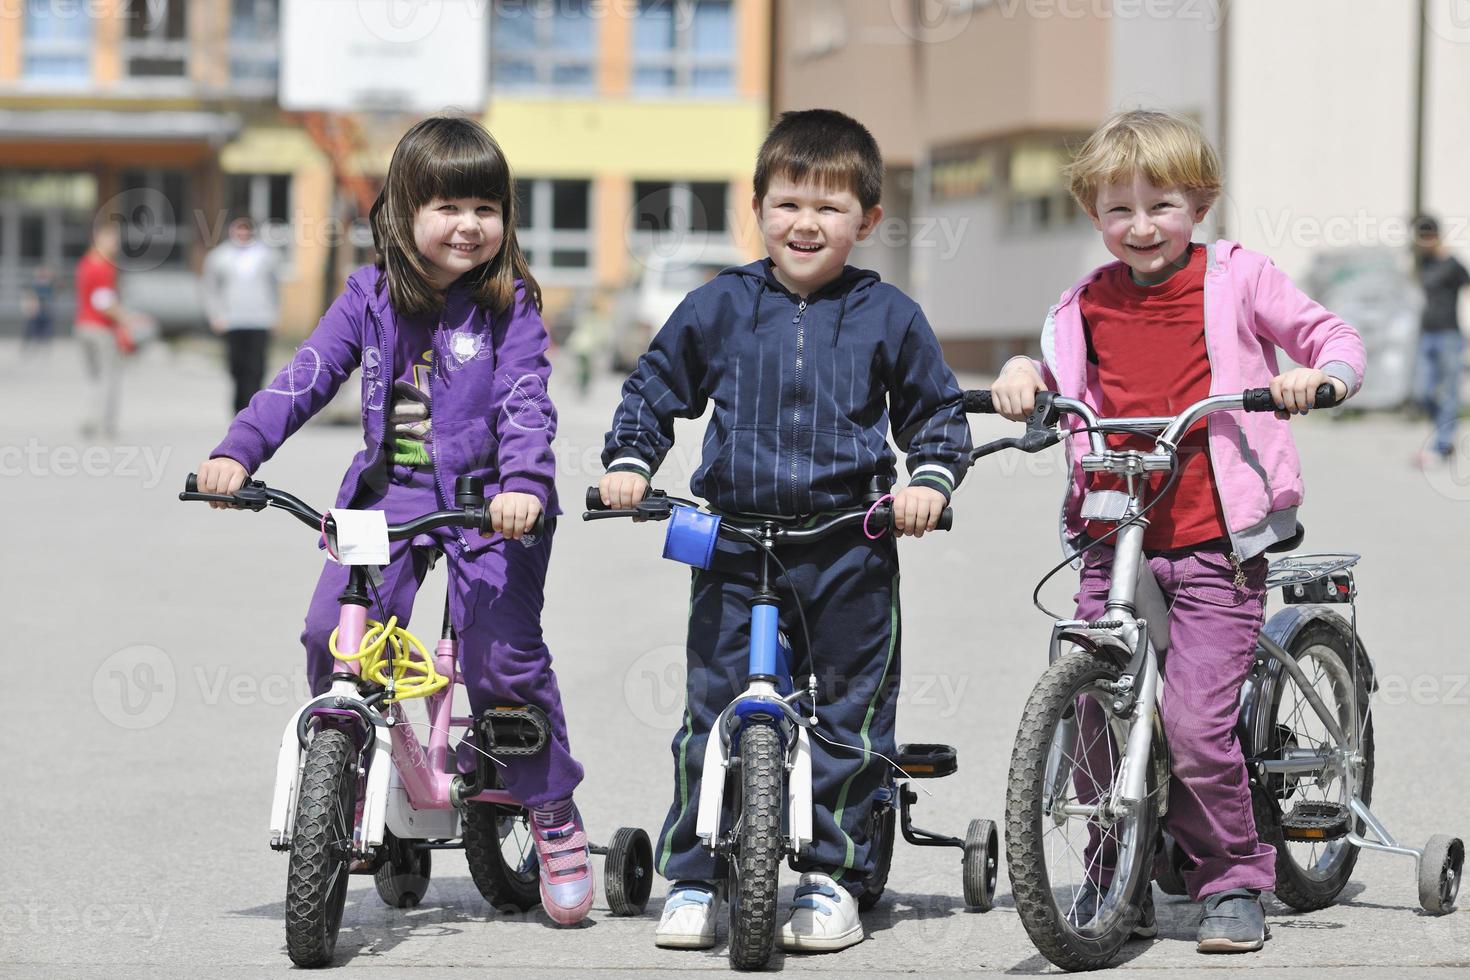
357 792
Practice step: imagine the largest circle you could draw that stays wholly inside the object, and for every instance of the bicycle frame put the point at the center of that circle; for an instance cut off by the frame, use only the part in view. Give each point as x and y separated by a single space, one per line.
765 700
407 789
1136 628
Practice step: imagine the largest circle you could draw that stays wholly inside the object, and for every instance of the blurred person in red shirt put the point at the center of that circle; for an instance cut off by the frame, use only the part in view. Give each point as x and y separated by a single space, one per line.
101 328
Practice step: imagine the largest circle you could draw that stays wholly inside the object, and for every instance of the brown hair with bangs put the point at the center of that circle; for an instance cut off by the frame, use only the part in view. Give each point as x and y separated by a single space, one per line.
446 157
1167 150
829 148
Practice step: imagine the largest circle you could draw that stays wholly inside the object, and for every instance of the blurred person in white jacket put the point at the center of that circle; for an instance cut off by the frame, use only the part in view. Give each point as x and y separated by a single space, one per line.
242 302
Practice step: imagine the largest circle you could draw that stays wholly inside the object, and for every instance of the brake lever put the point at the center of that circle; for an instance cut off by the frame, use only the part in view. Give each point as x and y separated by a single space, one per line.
649 509
1034 441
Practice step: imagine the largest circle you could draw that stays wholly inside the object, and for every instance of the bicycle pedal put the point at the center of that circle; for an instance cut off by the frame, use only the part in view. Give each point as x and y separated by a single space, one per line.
1315 821
924 761
514 730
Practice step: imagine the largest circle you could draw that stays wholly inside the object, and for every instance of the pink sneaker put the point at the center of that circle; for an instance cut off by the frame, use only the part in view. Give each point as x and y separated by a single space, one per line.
566 864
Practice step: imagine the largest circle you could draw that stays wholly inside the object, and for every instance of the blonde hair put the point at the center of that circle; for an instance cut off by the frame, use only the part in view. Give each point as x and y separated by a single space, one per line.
1167 150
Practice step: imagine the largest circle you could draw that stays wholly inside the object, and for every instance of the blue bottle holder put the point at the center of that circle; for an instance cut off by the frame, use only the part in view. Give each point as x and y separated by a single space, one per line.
691 537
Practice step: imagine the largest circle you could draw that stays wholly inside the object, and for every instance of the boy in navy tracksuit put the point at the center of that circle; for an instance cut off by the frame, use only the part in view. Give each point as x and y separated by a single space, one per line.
808 362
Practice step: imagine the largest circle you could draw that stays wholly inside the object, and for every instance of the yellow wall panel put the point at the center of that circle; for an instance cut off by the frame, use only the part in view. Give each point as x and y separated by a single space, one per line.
694 140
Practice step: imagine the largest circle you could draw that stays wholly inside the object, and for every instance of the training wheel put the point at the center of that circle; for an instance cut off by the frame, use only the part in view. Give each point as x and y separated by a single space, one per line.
628 871
1440 867
982 856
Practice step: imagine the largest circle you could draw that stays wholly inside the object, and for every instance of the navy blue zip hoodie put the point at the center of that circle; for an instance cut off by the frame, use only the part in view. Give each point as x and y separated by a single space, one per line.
804 393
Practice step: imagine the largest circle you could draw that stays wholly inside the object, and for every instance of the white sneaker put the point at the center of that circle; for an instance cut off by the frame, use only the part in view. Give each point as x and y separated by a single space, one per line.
688 921
824 917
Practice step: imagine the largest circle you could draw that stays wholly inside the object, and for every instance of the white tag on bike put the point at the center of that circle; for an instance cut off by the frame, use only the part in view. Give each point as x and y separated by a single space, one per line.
362 537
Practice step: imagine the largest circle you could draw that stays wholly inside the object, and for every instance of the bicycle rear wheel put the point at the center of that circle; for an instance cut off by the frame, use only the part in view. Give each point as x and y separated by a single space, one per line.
1077 869
1311 873
755 867
321 849
501 854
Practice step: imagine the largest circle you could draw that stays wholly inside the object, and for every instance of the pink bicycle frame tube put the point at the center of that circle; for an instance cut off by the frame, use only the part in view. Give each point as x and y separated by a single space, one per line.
422 773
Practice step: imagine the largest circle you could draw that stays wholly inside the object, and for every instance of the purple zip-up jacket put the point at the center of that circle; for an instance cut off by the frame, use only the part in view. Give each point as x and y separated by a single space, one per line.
489 410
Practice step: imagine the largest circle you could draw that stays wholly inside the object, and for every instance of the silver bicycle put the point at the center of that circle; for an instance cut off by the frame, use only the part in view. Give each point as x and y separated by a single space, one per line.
1090 770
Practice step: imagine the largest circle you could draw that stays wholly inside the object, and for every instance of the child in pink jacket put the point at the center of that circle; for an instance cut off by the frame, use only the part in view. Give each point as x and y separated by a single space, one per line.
1171 322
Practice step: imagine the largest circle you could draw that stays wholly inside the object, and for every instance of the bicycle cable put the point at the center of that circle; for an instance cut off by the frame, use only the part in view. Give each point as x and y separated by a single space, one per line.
870 751
1163 492
807 637
790 584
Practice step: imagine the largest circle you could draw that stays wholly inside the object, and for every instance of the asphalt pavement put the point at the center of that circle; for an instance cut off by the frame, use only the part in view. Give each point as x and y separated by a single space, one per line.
154 659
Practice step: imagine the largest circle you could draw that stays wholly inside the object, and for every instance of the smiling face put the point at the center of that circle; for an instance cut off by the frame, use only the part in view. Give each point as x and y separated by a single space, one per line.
809 230
455 235
1147 227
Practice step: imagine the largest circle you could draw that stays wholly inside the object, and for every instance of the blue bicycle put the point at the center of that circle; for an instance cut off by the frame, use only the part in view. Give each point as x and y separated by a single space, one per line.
755 803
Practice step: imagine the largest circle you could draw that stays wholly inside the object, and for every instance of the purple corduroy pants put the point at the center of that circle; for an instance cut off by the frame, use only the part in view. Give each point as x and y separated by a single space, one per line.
1213 624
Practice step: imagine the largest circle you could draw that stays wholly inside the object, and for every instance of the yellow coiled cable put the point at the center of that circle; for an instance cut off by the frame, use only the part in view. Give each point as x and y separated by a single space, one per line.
412 676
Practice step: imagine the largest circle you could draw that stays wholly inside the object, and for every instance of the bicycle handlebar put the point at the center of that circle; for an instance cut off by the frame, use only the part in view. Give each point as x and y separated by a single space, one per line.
1041 430
659 506
256 496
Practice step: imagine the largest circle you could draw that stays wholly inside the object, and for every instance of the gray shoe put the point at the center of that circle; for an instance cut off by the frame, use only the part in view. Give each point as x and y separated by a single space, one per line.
1233 922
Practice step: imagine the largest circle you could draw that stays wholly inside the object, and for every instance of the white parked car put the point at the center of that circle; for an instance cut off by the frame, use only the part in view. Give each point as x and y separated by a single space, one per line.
661 283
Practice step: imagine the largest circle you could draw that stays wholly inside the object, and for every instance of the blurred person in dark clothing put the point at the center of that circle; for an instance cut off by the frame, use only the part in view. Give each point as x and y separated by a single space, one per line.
242 302
1441 344
37 306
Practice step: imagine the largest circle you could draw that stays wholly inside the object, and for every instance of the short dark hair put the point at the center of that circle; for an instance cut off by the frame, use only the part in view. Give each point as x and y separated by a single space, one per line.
826 146
1426 226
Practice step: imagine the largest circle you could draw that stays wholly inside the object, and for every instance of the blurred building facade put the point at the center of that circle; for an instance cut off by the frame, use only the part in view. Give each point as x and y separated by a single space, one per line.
633 127
977 102
160 113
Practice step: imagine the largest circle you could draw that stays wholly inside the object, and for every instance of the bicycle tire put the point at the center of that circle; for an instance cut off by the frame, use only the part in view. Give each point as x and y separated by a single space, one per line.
506 888
1308 889
1026 849
755 867
321 849
883 824
402 877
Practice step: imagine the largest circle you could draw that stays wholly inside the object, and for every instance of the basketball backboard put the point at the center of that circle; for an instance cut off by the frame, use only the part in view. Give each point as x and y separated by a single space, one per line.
384 55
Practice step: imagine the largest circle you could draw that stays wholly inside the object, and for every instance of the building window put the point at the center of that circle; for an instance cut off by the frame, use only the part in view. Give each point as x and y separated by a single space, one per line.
669 214
254 45
266 200
58 44
554 228
157 43
153 210
45 219
684 46
1036 190
544 44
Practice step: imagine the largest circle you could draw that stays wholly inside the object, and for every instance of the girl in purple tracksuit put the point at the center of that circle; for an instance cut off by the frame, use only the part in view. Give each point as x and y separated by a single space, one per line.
447 330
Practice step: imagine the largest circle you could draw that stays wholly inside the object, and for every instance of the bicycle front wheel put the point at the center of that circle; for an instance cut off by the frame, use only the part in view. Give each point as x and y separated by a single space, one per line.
1078 866
321 849
755 867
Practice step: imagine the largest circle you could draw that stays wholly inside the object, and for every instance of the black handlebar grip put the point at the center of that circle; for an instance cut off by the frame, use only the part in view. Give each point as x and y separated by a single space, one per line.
594 499
946 520
191 483
1260 400
1257 400
977 402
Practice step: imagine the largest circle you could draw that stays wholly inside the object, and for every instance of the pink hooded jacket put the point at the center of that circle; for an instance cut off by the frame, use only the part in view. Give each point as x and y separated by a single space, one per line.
1251 309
